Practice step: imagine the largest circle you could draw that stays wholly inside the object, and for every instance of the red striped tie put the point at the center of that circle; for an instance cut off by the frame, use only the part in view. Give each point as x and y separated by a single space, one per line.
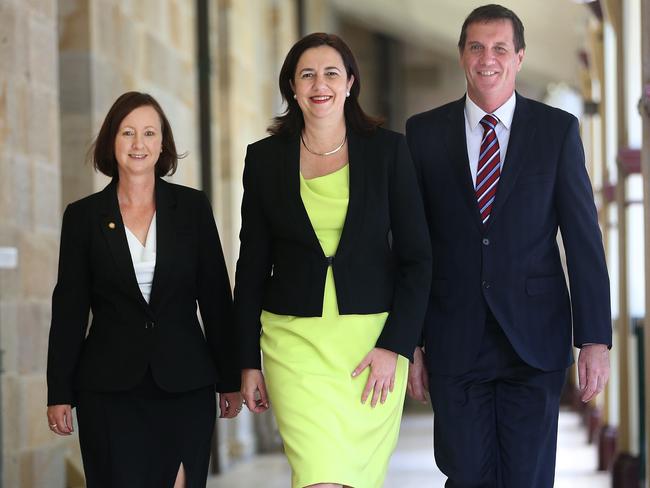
489 167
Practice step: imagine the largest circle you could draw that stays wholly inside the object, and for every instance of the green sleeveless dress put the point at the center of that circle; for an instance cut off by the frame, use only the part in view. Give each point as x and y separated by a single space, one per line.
329 435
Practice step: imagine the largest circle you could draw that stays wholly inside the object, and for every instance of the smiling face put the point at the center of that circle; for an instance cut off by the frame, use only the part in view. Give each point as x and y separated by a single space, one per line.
138 142
321 83
490 62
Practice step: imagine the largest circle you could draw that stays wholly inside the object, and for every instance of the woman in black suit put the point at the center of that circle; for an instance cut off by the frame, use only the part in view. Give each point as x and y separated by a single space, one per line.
334 271
140 255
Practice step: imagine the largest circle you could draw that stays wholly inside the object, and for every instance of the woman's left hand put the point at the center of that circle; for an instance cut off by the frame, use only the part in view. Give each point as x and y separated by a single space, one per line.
381 380
230 404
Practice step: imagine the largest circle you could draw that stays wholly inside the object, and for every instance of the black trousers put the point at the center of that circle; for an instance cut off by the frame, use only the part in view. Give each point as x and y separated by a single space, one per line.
496 426
139 438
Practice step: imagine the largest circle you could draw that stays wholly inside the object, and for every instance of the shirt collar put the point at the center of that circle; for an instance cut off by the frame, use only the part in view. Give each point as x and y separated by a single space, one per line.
504 113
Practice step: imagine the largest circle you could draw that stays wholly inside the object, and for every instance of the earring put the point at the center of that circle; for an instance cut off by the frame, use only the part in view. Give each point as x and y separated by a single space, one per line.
347 94
294 96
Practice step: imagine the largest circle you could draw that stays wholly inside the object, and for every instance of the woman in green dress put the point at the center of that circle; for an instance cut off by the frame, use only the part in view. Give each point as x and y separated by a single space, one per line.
333 275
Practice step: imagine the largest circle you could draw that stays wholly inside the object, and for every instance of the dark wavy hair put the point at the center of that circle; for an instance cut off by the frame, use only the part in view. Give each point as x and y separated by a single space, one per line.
102 151
291 121
487 13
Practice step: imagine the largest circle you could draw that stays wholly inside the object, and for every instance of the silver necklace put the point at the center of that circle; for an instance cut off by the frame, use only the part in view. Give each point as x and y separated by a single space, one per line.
328 153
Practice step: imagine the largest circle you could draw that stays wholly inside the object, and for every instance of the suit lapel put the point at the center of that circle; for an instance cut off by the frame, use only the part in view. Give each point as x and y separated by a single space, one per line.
113 229
291 177
522 131
354 215
456 142
165 238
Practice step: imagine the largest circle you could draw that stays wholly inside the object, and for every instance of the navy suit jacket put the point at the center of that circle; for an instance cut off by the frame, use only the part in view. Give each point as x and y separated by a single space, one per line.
513 264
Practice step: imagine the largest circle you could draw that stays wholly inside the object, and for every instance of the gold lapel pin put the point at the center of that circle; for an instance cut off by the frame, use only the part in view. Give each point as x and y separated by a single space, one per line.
111 225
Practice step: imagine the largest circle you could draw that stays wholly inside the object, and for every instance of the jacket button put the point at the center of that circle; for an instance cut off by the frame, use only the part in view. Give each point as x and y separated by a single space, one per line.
149 325
486 284
486 241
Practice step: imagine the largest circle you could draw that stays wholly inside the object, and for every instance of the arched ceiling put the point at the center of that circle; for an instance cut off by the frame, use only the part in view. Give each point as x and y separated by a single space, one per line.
555 30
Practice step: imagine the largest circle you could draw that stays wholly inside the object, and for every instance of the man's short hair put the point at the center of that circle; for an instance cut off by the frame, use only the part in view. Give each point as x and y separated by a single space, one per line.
487 13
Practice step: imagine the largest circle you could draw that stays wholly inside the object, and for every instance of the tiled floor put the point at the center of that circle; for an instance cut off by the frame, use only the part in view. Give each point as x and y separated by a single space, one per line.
412 464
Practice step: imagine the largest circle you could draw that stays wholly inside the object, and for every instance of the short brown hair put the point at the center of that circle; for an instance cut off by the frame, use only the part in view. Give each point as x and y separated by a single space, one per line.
291 121
102 151
491 12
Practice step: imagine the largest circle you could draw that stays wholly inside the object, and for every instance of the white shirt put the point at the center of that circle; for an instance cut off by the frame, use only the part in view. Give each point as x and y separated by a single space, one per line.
474 130
143 257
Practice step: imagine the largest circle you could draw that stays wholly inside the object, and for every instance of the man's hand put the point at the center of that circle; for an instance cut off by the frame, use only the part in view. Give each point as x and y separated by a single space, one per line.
593 370
418 383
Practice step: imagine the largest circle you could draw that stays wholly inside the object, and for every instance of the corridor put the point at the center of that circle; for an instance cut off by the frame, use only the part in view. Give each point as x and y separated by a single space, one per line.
412 463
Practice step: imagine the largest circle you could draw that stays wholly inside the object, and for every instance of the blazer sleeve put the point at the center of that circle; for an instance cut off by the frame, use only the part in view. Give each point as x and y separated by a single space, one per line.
70 307
412 252
412 140
585 256
215 302
253 267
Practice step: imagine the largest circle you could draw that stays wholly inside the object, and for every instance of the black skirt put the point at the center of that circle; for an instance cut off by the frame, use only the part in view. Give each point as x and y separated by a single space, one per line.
139 438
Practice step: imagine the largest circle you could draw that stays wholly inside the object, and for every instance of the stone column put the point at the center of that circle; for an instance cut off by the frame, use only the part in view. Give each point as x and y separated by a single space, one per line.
644 107
29 220
248 45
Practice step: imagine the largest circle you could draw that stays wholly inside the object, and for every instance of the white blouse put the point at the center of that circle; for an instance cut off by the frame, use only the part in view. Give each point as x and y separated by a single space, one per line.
143 257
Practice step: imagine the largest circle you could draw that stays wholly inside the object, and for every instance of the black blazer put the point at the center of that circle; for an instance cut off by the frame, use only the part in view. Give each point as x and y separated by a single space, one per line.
128 335
513 265
383 259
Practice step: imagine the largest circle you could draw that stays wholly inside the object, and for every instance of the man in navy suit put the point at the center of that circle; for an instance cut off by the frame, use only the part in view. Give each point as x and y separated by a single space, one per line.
500 175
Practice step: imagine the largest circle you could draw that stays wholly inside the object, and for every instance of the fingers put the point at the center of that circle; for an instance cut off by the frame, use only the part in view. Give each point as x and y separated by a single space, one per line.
380 390
416 390
254 390
262 404
593 370
424 378
249 400
376 393
418 380
68 419
248 394
596 381
384 393
257 401
223 406
230 404
370 384
59 418
362 365
582 372
591 387
381 380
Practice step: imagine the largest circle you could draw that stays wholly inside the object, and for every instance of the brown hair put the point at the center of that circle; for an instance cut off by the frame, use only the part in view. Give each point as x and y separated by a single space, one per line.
102 151
487 13
291 121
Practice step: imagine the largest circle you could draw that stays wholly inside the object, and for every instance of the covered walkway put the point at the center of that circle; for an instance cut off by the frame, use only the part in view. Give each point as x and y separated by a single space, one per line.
412 464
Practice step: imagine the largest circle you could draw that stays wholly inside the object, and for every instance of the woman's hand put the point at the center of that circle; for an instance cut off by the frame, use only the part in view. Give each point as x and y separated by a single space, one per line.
59 418
382 363
253 389
230 404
